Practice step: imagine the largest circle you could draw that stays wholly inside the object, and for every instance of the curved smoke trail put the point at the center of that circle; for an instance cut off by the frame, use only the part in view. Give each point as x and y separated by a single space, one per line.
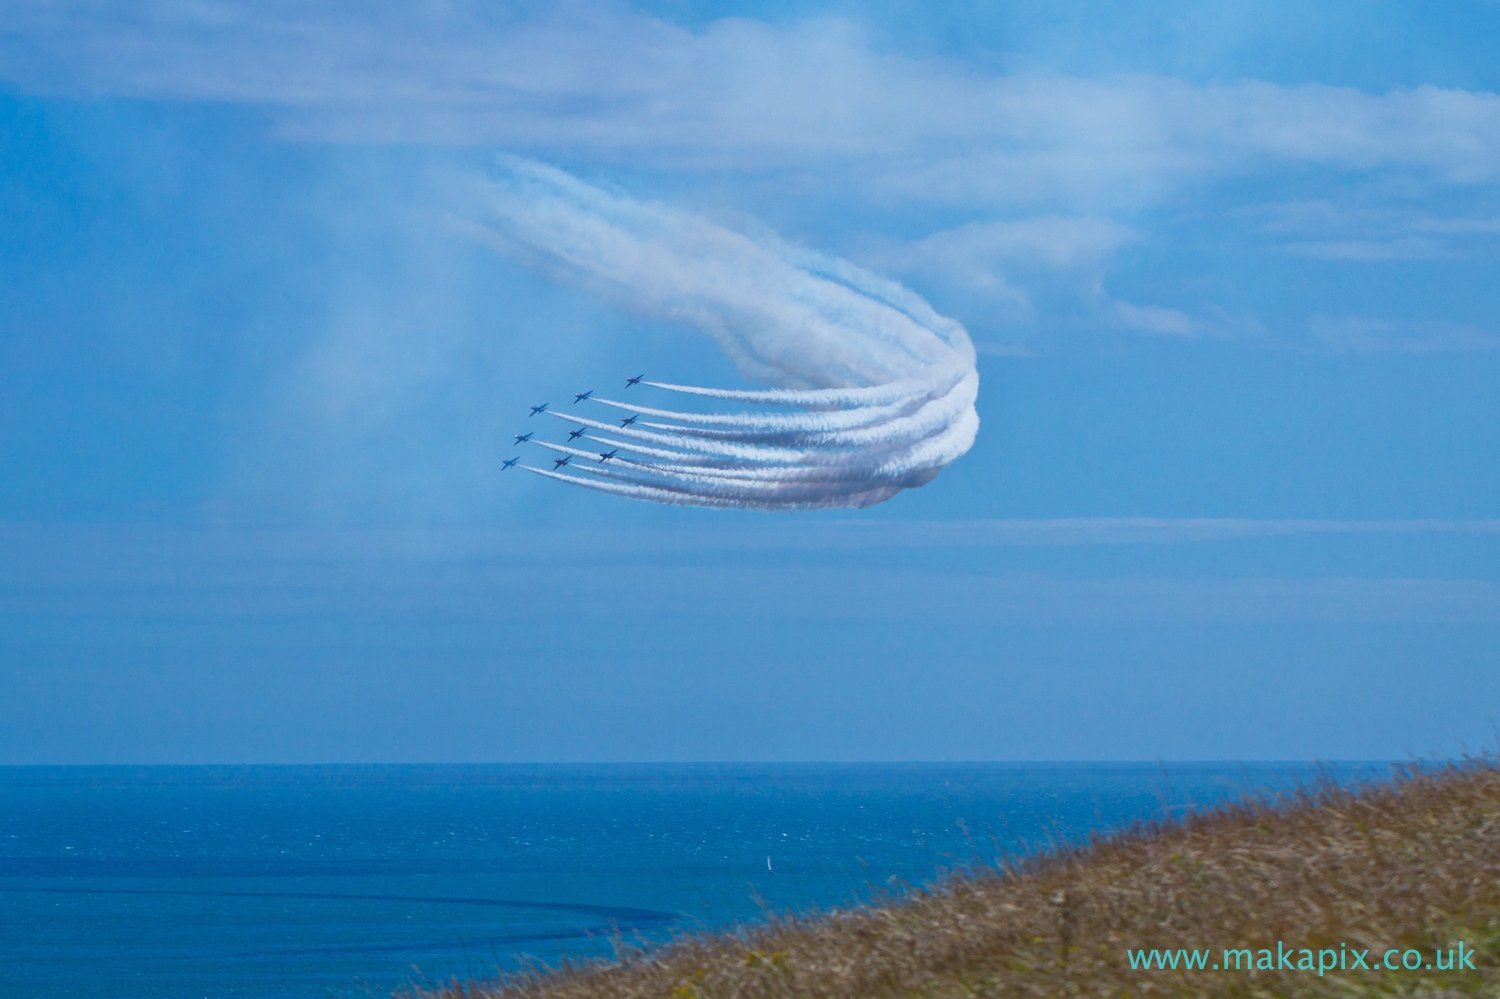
875 389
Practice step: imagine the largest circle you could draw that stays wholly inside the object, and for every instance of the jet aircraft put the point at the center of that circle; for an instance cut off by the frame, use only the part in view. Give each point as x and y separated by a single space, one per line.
580 396
560 462
606 455
523 438
634 381
507 464
629 420
537 409
573 435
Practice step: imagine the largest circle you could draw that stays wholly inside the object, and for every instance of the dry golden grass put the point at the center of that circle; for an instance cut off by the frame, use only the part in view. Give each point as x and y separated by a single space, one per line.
1414 863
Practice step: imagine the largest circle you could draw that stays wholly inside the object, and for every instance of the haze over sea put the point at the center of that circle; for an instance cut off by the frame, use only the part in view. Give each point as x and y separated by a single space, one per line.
282 881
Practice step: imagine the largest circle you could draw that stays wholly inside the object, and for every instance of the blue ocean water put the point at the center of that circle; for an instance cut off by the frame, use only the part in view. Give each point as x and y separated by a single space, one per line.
260 881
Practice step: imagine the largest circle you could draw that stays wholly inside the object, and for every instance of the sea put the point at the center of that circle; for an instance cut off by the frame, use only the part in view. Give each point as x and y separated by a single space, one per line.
276 882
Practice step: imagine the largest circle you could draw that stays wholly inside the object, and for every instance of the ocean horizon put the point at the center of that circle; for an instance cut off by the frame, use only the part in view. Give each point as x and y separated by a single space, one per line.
281 881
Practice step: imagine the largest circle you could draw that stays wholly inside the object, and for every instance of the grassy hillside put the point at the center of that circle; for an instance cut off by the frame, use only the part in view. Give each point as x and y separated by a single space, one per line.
1407 866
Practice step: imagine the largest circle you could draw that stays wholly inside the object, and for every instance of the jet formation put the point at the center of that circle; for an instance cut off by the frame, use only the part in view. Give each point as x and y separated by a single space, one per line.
573 435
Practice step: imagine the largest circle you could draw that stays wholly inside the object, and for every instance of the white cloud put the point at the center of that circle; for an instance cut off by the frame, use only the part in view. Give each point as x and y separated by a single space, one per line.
606 82
1375 233
1053 243
1155 319
1048 271
1370 250
67 553
1051 163
512 575
1208 322
1072 531
1005 265
1003 350
1362 335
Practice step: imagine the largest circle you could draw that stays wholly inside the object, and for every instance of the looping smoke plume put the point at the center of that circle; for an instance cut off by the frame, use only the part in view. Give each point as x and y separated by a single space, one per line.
873 391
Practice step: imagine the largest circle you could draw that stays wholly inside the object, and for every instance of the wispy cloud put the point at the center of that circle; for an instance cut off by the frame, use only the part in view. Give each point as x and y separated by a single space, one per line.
1013 270
1155 319
57 573
995 258
1053 268
1069 532
1055 243
612 83
1370 250
1363 335
102 573
1330 230
62 552
1066 175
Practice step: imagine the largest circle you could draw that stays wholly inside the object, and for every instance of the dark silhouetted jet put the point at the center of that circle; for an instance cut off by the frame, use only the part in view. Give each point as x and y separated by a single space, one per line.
573 435
634 381
560 462
580 396
606 455
537 409
629 420
509 463
523 438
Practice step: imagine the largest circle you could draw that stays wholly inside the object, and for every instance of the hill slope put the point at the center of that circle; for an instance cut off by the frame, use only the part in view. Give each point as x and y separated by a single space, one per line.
1406 871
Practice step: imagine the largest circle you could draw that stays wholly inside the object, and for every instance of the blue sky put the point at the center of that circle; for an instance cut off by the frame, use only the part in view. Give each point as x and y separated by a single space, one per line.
1232 279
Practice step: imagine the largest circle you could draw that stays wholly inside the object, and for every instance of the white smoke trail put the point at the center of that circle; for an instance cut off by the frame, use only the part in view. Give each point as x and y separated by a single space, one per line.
881 387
